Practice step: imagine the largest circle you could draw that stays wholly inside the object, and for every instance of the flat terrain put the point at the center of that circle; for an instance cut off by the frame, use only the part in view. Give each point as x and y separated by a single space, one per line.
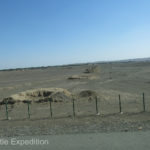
126 78
108 80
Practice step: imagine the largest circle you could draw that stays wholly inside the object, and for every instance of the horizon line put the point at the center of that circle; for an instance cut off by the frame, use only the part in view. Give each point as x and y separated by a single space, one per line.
81 63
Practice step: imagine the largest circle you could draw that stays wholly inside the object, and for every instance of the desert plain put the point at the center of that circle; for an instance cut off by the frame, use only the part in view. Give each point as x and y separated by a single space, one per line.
83 84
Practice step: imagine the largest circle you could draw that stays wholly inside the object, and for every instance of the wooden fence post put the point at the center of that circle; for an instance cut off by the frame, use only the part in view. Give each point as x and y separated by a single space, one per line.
73 108
120 108
96 105
50 104
143 102
28 109
6 109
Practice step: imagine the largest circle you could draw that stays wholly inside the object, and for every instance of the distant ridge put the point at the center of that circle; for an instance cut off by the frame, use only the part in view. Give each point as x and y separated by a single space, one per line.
78 64
127 60
136 60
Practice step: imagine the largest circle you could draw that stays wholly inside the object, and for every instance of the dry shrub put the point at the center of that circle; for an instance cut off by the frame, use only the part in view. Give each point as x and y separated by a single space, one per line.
92 69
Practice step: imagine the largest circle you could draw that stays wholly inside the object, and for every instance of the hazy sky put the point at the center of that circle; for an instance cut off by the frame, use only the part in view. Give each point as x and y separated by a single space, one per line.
55 32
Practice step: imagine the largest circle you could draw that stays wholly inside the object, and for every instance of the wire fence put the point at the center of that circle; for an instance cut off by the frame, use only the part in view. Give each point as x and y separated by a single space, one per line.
75 108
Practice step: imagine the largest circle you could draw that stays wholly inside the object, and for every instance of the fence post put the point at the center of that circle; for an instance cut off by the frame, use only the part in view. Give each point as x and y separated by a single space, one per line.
50 104
120 108
96 105
143 102
6 110
28 109
73 108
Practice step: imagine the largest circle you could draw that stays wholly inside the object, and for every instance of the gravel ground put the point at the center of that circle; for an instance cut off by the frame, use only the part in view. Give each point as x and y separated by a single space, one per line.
85 124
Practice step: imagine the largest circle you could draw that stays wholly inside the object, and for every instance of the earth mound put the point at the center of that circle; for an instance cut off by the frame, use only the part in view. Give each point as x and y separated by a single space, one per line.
40 95
74 77
87 94
82 77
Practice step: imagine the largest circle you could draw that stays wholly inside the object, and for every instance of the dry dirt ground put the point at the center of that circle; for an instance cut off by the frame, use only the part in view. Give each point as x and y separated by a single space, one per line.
108 80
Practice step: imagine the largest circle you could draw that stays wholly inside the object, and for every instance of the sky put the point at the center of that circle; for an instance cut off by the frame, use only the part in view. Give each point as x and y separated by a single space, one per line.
56 32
